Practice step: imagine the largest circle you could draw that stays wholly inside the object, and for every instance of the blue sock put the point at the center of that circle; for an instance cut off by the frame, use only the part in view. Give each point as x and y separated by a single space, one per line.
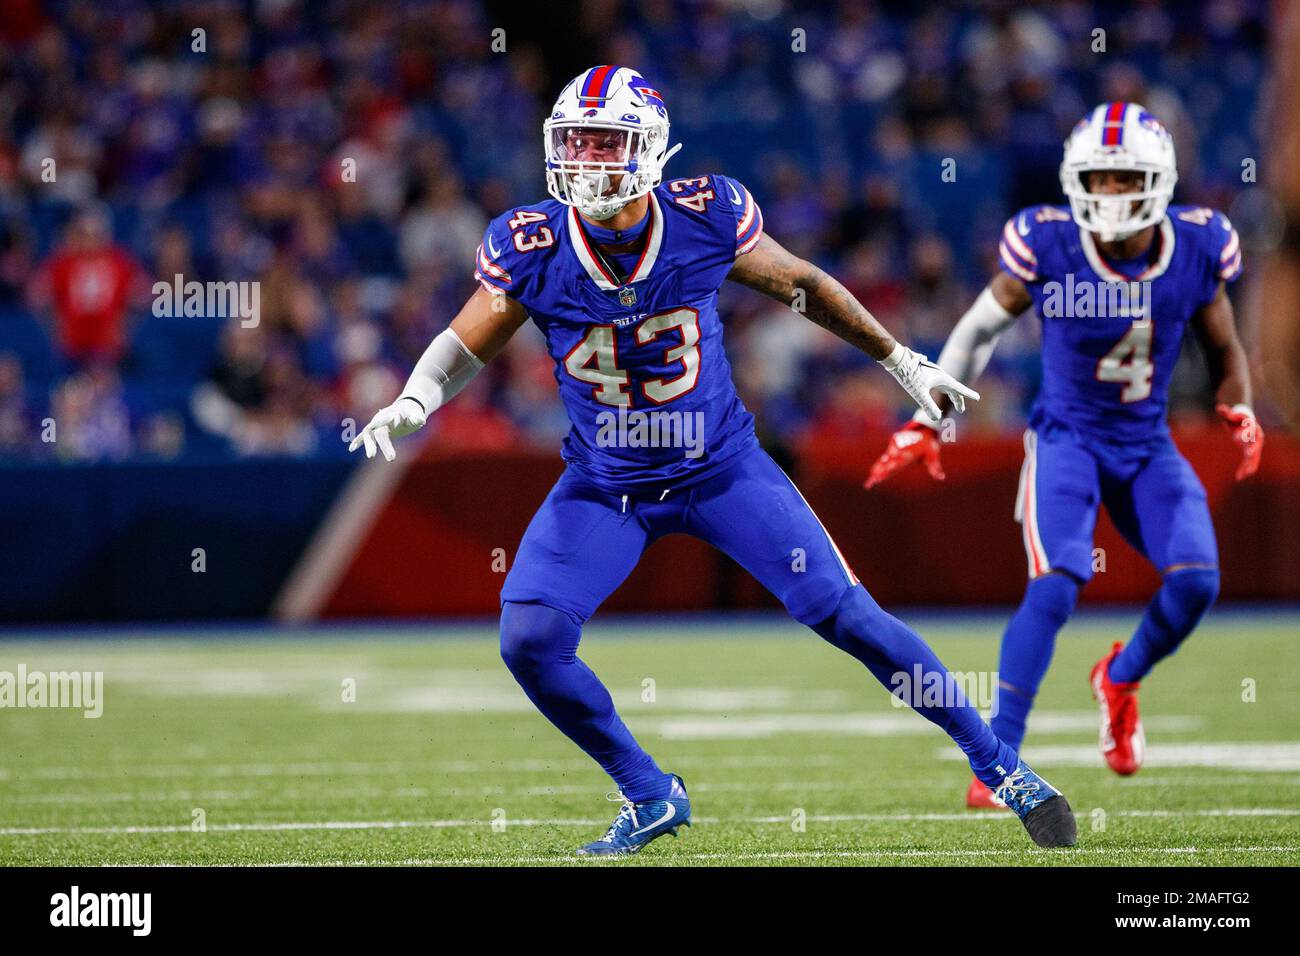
540 646
1012 714
890 650
1172 614
1027 647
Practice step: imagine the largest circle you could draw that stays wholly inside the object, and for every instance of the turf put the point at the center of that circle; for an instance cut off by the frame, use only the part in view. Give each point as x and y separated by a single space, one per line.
239 748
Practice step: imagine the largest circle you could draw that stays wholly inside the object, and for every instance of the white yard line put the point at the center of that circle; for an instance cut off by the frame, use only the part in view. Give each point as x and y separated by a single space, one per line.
199 797
967 817
126 771
1230 755
755 857
899 723
543 791
868 854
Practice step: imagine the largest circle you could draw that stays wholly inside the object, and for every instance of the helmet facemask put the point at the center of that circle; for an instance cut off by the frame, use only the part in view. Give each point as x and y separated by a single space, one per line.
1117 216
601 167
1119 137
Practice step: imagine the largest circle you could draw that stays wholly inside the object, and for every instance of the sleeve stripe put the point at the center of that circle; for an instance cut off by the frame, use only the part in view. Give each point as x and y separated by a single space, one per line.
1230 249
1019 260
491 268
1011 265
747 219
1231 269
489 283
744 244
1018 246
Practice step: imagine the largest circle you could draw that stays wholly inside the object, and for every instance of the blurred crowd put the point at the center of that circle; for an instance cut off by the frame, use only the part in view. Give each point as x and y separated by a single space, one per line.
347 155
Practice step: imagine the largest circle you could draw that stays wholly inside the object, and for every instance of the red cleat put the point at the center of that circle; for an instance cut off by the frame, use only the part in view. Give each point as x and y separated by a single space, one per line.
1122 741
980 797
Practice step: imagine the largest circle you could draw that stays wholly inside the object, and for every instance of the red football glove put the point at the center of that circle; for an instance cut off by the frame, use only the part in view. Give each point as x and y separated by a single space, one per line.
1248 435
910 443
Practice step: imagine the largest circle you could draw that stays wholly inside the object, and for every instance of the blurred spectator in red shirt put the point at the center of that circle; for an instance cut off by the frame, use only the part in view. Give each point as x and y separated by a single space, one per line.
90 283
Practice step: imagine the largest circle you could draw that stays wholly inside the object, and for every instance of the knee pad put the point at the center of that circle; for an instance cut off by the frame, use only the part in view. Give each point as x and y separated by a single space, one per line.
533 635
1053 596
1189 593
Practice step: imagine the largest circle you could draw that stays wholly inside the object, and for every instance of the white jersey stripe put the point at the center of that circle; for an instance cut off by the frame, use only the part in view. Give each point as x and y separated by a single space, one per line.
1015 242
1010 262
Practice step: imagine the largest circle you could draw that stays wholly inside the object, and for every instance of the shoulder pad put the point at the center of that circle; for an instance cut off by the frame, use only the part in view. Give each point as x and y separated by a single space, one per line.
721 201
506 253
1219 238
744 210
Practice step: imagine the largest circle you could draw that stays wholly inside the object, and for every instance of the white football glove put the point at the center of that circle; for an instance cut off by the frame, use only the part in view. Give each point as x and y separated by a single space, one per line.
919 376
444 369
402 417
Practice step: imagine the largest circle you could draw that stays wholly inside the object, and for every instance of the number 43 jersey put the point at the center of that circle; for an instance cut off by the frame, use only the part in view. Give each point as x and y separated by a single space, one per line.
637 341
1113 330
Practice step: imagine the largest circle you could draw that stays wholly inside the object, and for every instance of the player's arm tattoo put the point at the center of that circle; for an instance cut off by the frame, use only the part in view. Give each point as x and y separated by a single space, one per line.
775 272
1216 328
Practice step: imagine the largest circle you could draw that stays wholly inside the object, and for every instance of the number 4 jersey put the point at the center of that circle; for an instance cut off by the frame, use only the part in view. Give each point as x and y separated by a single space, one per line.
636 339
1112 330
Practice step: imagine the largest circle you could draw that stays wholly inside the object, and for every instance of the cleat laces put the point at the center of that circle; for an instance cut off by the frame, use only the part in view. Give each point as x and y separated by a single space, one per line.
627 812
1015 790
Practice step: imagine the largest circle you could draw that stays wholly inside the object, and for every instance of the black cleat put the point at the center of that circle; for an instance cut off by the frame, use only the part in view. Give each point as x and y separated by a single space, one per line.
1042 808
1051 823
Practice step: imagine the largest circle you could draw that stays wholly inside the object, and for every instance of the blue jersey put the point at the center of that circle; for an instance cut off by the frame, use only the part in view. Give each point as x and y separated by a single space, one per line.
1112 330
638 352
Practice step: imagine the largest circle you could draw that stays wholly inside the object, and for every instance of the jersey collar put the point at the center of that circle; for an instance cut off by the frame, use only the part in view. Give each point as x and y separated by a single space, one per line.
595 271
1154 271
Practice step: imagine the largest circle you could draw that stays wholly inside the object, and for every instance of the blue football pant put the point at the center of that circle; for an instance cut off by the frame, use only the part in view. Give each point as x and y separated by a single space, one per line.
1157 503
584 541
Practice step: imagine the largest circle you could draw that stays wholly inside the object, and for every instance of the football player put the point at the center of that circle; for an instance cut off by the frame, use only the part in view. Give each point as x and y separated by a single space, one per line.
621 273
1117 276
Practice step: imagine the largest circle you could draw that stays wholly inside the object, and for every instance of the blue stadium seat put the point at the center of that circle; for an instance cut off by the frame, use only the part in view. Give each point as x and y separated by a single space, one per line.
22 334
170 350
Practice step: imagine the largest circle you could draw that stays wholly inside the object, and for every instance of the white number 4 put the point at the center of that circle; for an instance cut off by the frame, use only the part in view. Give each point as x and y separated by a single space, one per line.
1130 362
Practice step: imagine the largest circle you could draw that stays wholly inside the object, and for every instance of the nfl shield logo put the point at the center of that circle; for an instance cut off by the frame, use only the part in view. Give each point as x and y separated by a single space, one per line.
627 295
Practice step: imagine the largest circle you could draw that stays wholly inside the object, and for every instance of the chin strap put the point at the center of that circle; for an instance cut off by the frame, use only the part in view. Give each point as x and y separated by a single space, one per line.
1115 236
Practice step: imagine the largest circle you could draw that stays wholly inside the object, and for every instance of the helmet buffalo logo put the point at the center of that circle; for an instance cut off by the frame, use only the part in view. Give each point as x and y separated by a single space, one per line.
651 96
1150 122
591 112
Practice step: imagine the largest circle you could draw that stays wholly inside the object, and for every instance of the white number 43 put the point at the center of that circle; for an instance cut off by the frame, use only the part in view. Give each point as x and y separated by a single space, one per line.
594 360
1130 362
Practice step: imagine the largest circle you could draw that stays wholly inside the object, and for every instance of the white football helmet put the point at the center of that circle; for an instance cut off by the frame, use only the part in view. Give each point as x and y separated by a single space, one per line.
1119 136
606 141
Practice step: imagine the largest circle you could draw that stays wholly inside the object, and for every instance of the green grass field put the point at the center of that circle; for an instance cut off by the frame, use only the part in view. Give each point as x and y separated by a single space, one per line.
440 759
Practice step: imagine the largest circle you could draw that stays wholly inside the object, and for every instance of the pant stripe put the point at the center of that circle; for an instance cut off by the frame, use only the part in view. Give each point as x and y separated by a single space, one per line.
1034 550
844 565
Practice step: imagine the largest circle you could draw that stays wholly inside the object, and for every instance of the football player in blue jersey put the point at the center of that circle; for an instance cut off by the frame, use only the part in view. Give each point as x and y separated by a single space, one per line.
1116 278
621 273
